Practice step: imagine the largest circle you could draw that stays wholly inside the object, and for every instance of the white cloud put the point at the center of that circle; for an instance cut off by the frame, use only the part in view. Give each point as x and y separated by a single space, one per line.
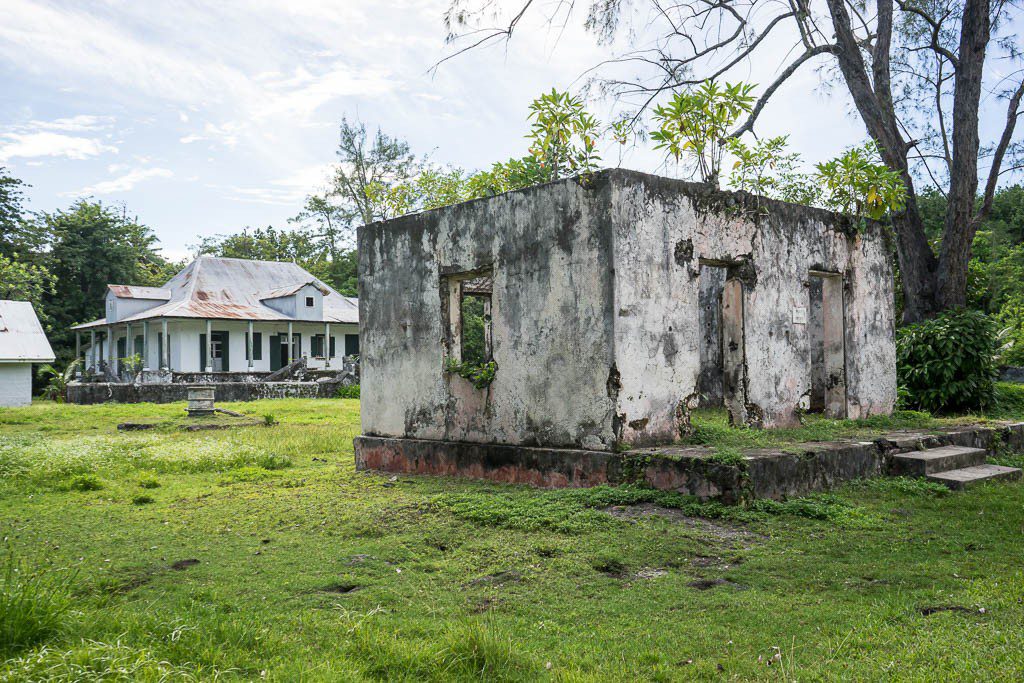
47 144
122 183
75 124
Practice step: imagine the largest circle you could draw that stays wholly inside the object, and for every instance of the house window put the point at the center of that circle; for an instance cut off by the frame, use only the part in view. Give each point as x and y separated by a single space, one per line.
469 317
316 345
309 302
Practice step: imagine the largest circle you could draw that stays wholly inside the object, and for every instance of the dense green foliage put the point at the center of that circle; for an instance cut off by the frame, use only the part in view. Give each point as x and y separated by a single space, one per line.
995 280
262 554
62 261
948 364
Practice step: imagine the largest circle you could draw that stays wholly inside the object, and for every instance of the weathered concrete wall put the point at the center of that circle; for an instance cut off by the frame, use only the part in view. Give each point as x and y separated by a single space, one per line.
665 230
599 321
551 258
1011 373
108 392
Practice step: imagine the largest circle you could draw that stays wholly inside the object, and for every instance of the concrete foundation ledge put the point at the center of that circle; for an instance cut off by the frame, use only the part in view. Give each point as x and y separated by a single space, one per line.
90 393
691 470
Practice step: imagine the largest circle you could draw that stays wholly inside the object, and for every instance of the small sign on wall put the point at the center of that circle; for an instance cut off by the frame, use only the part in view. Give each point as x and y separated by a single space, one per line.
799 316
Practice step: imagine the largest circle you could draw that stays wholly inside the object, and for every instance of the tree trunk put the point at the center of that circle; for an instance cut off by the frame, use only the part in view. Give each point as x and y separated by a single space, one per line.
960 226
918 265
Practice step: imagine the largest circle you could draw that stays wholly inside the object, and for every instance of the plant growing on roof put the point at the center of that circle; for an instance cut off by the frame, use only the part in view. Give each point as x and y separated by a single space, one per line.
563 135
858 183
695 123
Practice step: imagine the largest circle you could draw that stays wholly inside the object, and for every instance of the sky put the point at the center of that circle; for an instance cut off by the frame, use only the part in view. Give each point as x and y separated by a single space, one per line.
203 118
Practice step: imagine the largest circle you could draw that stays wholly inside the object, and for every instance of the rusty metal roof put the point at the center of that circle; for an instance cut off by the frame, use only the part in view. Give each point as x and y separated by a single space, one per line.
292 289
234 289
21 336
135 292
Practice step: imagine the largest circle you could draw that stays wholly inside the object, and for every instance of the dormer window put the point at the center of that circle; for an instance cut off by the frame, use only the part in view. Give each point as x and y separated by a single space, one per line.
309 302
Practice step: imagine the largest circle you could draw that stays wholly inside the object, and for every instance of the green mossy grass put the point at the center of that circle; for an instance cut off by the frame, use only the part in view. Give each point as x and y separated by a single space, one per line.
265 555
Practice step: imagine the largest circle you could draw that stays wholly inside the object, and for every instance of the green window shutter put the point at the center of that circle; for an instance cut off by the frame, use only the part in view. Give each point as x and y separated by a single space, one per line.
334 352
224 347
257 346
351 344
202 353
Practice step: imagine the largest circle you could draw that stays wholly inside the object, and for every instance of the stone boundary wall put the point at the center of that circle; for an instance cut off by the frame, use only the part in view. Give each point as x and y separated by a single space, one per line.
769 473
109 392
1012 373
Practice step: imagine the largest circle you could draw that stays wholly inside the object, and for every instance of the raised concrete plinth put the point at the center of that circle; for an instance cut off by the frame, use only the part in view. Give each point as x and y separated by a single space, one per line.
689 470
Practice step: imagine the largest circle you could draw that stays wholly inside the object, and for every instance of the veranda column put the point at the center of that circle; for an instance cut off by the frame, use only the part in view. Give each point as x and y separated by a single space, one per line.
78 353
92 348
327 344
165 362
129 345
290 342
145 346
209 345
110 350
249 346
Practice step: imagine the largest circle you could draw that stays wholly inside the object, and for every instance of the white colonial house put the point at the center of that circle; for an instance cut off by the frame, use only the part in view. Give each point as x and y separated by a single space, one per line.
221 315
22 343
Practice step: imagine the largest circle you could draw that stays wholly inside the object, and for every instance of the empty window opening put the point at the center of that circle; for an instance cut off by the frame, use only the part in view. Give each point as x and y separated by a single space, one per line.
309 302
710 381
825 332
469 311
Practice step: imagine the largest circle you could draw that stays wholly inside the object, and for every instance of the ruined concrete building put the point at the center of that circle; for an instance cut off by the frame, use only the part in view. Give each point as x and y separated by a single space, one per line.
611 306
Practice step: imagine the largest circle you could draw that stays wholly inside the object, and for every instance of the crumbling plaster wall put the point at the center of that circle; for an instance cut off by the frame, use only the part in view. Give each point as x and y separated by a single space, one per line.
550 251
664 230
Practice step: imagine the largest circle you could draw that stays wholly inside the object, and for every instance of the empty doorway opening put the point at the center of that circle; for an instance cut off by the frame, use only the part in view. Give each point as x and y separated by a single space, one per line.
826 333
710 380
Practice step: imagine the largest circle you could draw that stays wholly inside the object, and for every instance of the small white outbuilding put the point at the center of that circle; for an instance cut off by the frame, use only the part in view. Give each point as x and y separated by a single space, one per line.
22 343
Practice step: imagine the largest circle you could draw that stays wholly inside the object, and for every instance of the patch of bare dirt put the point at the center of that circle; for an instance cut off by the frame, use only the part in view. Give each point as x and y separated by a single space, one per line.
708 584
184 564
719 530
928 611
498 578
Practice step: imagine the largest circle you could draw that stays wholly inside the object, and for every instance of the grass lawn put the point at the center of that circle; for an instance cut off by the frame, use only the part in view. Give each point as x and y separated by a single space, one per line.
259 552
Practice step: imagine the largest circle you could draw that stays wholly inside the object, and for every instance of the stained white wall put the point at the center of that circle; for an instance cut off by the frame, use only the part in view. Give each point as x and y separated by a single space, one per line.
15 384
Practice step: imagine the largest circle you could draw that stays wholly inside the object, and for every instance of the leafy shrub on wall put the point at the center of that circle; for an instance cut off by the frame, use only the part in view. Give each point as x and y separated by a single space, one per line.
948 364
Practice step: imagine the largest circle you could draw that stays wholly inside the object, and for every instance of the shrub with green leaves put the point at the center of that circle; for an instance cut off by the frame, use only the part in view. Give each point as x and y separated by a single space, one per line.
948 364
348 391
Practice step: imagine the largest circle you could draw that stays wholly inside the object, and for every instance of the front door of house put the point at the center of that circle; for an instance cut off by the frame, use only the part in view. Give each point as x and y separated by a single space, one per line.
279 350
217 353
218 349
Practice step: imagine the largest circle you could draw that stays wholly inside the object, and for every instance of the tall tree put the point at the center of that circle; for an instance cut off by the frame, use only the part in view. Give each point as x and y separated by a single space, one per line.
365 163
915 70
16 235
90 246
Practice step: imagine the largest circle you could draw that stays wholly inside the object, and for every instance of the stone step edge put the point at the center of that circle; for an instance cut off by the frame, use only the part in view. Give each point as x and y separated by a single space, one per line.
968 476
933 460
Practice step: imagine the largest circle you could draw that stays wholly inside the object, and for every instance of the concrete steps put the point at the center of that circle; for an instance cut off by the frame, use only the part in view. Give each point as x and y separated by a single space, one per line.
934 460
957 467
968 476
